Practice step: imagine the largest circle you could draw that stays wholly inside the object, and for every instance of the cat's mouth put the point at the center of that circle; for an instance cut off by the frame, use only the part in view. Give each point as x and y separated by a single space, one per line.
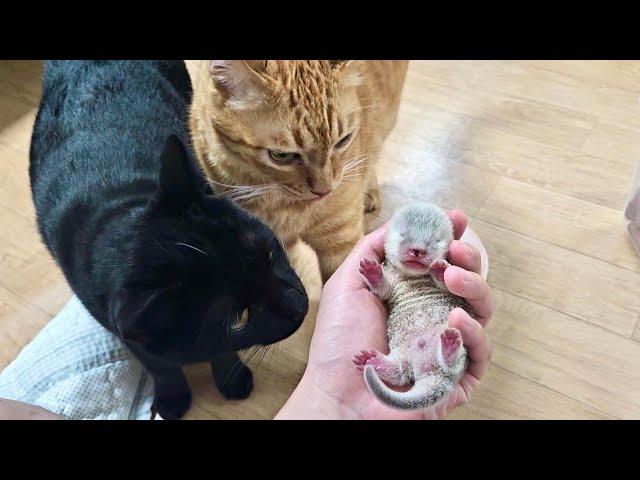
318 196
312 197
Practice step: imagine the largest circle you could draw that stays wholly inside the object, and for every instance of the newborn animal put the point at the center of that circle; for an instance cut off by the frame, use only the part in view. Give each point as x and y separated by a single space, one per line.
422 348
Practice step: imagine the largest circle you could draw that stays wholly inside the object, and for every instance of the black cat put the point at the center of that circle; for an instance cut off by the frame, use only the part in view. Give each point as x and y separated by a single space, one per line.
181 276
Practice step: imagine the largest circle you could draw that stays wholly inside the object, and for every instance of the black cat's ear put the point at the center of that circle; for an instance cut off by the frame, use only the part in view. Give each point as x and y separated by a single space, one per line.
178 187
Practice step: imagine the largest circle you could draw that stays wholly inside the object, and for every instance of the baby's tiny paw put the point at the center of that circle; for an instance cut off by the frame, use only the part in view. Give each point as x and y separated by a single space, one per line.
437 269
366 358
371 270
451 343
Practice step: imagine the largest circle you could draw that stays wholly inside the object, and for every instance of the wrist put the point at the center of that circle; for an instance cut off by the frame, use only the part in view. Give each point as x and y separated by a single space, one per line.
310 402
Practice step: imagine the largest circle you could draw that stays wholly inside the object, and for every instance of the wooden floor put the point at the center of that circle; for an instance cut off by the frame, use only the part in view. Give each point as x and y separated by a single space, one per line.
541 156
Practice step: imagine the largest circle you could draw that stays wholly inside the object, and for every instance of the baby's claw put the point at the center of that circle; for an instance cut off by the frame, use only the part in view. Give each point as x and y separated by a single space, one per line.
371 270
437 269
451 343
366 358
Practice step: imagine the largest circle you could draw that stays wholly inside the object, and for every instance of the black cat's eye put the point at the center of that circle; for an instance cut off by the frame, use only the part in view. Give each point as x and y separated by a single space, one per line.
240 321
343 141
283 158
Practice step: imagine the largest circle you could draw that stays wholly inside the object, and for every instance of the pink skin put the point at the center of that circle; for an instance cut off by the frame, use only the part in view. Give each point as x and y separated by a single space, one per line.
371 357
372 271
437 269
415 258
389 369
451 342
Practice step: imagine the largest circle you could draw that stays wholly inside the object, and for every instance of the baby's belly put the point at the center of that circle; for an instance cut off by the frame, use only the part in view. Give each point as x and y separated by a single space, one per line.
406 322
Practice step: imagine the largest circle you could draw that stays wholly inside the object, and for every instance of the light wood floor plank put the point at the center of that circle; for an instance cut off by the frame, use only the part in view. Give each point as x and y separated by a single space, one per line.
621 74
504 395
533 83
14 175
513 114
579 360
566 171
26 267
615 143
20 321
576 284
561 220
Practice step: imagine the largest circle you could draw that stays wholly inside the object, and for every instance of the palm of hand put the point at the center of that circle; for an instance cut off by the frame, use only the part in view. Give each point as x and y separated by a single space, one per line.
359 311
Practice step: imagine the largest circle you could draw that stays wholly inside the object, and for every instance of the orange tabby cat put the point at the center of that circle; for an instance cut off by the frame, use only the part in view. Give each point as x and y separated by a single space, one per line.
295 142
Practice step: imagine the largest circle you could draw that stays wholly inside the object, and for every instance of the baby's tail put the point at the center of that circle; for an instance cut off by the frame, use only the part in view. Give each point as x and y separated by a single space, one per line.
424 393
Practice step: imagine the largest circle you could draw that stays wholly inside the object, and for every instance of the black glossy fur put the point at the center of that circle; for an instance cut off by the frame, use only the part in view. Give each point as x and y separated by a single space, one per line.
125 213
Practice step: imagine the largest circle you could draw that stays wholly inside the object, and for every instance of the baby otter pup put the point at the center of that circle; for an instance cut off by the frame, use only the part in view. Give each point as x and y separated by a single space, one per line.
422 348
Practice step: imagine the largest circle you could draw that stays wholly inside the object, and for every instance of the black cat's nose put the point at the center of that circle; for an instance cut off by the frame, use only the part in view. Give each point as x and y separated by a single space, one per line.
298 303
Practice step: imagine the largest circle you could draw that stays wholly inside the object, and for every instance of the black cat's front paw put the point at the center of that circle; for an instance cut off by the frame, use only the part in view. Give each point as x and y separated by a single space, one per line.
174 406
238 385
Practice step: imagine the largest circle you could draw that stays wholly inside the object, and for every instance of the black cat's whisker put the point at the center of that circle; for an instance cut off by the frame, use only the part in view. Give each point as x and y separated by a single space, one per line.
264 352
248 354
233 374
191 247
160 245
257 354
204 324
274 353
244 356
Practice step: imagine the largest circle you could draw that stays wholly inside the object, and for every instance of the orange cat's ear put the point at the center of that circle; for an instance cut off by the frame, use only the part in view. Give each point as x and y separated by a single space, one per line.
239 81
349 71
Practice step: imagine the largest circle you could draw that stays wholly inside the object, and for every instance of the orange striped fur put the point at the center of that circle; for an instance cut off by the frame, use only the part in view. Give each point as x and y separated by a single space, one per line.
241 109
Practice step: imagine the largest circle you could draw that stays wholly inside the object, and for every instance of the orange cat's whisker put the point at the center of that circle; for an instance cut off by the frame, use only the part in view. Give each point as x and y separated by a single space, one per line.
355 162
254 193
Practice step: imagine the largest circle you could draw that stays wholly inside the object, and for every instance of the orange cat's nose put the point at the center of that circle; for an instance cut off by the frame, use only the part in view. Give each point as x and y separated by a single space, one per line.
321 194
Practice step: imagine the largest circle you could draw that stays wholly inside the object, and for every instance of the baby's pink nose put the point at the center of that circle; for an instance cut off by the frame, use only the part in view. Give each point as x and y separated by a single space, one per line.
418 252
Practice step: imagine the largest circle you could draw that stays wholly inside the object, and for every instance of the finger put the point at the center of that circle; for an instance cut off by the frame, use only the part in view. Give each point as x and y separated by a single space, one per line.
475 338
459 221
465 256
474 289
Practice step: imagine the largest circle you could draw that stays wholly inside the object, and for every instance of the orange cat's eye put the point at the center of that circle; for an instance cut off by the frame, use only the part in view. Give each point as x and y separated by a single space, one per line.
343 141
284 158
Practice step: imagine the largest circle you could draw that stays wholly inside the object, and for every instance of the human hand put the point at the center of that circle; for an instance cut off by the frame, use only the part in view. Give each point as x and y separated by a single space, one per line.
351 318
12 410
